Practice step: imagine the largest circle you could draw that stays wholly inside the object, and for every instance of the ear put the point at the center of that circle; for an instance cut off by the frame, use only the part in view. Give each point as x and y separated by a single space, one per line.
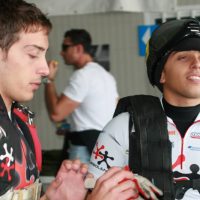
162 77
80 48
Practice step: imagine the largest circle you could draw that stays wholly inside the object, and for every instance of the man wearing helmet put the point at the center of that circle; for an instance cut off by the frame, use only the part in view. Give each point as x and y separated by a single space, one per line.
170 161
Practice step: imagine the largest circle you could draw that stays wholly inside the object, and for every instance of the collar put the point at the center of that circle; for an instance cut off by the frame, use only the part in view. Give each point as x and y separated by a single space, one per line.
3 110
170 120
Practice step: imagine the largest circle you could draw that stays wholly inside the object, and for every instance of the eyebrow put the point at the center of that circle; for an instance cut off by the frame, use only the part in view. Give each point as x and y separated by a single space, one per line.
36 46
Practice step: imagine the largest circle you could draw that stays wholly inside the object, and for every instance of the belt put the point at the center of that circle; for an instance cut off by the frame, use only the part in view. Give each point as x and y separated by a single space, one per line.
86 138
31 192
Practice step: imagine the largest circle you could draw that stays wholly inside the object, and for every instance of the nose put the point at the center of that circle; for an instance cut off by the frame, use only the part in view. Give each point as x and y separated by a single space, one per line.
44 68
196 61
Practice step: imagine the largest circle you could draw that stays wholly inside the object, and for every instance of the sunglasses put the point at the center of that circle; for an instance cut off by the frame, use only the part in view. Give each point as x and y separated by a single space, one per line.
66 46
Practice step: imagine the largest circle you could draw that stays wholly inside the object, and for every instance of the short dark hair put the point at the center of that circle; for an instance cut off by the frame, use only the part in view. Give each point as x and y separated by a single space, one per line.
17 16
80 36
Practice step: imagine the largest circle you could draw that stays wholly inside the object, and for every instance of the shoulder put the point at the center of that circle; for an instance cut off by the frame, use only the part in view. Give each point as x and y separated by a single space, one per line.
101 70
79 75
87 69
117 128
120 120
92 67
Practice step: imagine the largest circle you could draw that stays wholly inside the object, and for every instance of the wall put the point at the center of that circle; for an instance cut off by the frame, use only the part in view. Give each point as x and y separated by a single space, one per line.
74 7
187 3
119 30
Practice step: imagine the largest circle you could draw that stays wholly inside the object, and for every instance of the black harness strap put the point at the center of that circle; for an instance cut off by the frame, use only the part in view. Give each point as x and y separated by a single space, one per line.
149 145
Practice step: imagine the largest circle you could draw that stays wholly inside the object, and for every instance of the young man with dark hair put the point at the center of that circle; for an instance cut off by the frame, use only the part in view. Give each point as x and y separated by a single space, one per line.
23 45
89 99
160 138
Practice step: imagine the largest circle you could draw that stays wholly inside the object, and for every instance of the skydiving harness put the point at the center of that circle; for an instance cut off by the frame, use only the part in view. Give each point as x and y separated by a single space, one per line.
149 144
24 115
24 118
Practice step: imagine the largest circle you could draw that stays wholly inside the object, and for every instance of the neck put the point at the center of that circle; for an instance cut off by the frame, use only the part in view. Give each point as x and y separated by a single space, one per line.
181 101
83 61
7 102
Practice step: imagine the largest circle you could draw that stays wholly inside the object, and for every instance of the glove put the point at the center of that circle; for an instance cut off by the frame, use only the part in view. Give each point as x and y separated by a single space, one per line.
146 188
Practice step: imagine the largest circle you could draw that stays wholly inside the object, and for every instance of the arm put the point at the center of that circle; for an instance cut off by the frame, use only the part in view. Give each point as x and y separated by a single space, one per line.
61 106
111 147
113 144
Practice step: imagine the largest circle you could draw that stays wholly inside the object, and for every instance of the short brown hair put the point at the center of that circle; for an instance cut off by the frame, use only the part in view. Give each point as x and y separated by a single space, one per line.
17 16
80 36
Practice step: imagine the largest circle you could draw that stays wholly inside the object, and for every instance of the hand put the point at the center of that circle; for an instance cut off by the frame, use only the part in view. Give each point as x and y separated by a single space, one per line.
69 182
53 68
110 186
146 188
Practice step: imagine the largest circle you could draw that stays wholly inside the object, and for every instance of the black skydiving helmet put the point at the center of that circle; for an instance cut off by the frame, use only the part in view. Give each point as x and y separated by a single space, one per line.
175 35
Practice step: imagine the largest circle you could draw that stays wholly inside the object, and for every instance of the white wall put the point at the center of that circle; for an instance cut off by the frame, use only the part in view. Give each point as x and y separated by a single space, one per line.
74 7
119 30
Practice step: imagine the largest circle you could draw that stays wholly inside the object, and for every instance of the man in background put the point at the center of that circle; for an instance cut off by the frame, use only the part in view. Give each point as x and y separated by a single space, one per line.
89 98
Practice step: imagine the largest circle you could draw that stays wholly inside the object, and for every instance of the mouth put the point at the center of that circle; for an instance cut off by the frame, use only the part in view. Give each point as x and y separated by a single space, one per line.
35 85
194 77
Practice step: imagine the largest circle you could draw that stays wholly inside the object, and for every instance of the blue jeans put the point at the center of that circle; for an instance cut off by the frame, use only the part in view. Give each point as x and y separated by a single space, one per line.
79 152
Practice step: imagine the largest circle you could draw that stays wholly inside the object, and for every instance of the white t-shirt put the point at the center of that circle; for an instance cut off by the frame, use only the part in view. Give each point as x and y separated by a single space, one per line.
96 91
112 149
